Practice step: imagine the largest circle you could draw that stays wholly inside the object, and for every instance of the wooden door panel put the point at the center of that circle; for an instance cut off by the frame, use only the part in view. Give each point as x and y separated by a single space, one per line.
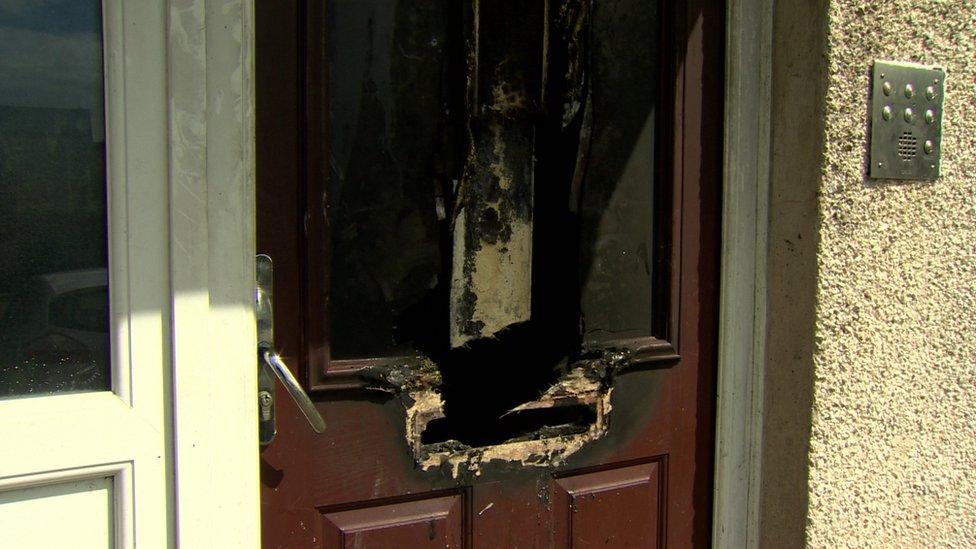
627 460
433 522
617 507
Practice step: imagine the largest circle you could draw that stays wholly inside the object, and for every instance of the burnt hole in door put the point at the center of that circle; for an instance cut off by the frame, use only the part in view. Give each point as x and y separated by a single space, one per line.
516 426
492 171
514 322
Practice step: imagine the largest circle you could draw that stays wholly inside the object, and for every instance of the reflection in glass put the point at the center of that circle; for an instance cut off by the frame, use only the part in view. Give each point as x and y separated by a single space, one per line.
617 212
54 323
392 153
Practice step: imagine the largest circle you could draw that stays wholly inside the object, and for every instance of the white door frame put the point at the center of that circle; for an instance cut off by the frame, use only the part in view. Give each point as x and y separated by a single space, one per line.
742 317
210 89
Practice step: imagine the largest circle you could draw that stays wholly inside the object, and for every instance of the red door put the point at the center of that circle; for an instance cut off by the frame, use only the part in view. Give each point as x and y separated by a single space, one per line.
494 228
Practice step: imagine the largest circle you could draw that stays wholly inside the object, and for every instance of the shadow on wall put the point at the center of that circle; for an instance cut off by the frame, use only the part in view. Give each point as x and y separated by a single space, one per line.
799 83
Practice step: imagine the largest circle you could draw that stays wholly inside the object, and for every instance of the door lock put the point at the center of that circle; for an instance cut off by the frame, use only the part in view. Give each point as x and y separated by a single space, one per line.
270 365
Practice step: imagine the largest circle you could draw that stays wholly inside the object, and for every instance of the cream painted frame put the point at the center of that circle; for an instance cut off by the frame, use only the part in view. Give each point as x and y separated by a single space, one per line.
742 317
210 97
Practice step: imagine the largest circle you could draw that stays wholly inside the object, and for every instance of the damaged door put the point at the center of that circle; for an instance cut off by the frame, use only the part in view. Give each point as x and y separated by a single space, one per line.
494 229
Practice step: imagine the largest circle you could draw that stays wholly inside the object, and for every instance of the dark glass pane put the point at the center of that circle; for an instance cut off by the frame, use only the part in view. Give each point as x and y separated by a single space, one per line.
391 154
397 142
617 206
54 325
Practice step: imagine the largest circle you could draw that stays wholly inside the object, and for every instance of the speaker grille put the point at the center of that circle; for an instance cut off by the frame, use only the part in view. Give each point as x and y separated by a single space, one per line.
907 146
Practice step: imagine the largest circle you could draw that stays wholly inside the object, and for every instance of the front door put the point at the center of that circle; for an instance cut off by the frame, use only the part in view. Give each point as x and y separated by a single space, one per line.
494 228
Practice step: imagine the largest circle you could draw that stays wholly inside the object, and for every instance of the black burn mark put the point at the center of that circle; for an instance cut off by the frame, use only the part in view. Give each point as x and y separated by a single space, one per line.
492 228
505 76
508 58
496 189
521 134
465 307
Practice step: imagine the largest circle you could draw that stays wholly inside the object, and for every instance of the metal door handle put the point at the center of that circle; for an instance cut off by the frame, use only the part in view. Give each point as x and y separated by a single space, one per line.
294 389
270 365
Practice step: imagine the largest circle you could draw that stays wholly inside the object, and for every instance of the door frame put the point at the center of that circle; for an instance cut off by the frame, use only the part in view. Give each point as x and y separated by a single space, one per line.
744 271
210 92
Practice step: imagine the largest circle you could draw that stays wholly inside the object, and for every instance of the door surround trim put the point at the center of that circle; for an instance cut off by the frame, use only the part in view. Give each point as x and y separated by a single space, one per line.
209 53
742 308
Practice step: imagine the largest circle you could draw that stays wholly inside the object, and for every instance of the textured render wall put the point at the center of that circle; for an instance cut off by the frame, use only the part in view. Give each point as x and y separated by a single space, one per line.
892 456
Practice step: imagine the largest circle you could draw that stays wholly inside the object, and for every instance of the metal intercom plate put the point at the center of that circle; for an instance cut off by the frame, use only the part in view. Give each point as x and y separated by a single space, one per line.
906 120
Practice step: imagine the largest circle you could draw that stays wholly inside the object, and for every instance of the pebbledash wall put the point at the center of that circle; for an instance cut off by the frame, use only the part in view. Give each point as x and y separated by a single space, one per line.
870 387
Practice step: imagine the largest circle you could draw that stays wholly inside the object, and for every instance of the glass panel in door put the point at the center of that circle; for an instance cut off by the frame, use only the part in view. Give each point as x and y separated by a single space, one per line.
54 320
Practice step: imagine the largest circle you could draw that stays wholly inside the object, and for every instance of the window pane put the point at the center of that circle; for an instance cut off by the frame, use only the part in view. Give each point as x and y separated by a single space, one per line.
398 127
618 199
392 152
54 323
